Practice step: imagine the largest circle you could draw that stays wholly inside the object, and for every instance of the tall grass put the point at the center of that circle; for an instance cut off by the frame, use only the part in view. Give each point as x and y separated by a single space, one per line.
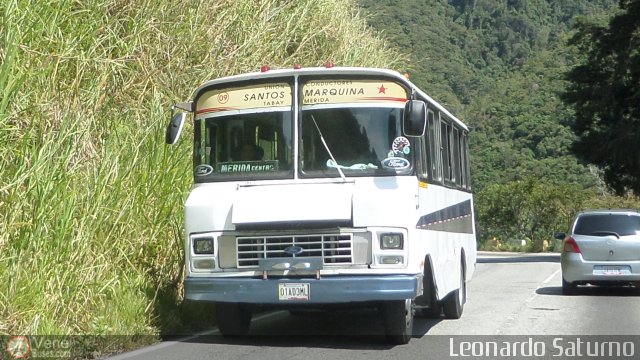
90 197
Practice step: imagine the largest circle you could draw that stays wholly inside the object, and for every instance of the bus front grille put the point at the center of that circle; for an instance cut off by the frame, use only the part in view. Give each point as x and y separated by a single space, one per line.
334 249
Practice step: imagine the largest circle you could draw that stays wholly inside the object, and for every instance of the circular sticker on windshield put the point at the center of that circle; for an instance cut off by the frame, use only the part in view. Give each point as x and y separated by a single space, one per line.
401 145
203 170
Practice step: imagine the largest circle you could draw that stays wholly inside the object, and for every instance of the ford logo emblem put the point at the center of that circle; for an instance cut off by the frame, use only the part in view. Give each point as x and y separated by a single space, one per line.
294 250
396 163
203 170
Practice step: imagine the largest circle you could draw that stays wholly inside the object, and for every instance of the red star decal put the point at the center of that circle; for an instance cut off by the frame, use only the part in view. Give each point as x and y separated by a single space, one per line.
382 90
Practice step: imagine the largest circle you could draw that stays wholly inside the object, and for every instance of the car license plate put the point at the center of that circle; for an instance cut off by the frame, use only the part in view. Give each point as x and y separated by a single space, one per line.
611 270
293 291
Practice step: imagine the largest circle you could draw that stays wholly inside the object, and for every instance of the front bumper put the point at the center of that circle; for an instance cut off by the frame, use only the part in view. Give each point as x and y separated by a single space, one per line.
576 269
327 290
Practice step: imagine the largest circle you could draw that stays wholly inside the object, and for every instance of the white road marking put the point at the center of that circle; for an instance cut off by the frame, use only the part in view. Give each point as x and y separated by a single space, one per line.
550 278
512 317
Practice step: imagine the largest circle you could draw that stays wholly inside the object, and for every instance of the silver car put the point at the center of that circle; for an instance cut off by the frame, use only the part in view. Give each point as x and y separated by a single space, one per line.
602 248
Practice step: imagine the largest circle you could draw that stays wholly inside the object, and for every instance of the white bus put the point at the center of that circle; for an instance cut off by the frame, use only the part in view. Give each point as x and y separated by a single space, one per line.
326 186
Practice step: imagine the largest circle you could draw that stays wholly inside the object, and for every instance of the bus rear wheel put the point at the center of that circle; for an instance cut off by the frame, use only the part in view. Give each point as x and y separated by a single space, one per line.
453 304
398 321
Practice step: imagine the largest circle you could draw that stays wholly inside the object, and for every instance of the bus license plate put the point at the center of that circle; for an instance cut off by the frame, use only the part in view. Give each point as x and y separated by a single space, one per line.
293 291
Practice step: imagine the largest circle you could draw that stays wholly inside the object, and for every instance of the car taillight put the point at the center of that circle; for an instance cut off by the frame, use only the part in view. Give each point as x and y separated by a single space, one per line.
570 245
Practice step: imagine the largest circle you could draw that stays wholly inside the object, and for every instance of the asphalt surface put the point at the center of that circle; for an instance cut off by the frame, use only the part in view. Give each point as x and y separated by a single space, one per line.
512 299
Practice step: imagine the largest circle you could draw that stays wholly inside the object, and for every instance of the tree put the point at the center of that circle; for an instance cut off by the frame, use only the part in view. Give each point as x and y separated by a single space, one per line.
527 209
604 91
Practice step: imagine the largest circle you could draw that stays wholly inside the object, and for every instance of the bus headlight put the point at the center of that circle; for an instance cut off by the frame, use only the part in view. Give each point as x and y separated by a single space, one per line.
203 245
391 241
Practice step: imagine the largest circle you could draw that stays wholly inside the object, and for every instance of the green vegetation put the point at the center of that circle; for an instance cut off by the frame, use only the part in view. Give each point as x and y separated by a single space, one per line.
90 197
501 67
605 92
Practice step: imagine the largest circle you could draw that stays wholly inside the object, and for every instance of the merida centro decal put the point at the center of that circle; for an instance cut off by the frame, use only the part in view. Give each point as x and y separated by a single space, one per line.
203 170
248 166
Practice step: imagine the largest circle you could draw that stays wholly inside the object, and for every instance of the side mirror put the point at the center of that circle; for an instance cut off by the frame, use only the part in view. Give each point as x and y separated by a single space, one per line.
175 128
559 235
415 118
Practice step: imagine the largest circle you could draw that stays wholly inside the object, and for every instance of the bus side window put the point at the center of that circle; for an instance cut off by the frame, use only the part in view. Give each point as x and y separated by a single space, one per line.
446 150
427 158
463 167
455 156
464 150
434 147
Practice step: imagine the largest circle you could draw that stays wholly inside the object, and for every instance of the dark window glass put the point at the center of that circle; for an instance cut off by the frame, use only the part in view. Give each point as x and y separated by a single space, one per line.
446 152
600 224
455 155
464 151
251 145
429 149
433 147
359 138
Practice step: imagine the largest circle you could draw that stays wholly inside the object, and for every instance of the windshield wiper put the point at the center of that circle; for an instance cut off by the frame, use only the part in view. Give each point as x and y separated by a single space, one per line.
344 178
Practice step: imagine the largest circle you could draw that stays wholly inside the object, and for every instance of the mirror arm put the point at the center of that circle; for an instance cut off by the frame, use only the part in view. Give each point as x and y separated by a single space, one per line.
186 106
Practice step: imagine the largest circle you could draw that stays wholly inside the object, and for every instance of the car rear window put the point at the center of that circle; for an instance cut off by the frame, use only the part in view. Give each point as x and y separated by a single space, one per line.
622 224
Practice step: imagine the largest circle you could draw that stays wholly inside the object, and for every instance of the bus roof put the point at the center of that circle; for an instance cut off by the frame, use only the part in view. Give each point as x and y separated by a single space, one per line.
365 71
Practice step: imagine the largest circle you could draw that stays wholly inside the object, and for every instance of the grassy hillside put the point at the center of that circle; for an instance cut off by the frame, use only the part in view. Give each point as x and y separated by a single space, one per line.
90 197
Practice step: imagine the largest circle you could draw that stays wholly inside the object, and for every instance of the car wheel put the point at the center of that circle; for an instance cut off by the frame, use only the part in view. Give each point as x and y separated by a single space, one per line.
398 321
568 288
233 319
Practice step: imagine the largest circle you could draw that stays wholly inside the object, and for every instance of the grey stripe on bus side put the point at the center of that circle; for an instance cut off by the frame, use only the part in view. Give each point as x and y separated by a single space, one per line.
455 218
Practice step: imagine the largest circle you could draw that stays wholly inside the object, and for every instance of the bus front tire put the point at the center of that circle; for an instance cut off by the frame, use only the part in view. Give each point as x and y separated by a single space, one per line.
398 321
434 309
233 319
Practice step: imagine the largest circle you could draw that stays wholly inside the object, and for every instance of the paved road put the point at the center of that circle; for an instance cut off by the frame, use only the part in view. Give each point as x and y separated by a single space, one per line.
511 294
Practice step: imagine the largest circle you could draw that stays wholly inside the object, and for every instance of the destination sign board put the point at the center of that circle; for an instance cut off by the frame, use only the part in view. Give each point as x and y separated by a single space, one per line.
246 97
351 91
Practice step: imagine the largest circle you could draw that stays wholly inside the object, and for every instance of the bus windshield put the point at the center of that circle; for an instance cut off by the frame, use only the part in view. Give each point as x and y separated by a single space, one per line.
350 127
244 132
362 141
255 144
